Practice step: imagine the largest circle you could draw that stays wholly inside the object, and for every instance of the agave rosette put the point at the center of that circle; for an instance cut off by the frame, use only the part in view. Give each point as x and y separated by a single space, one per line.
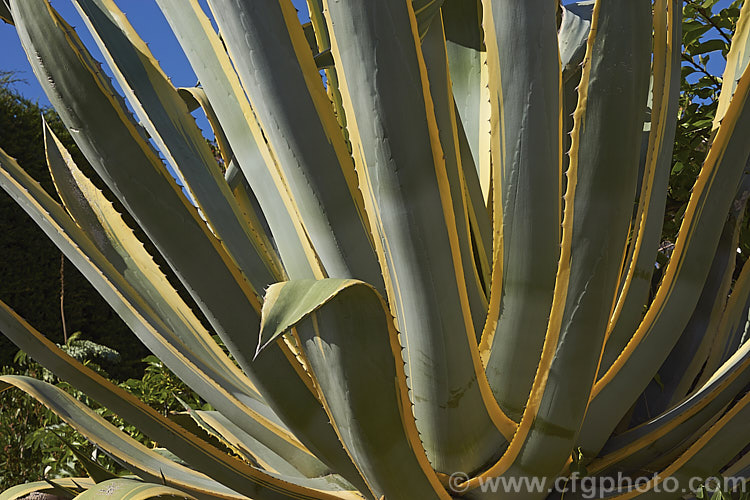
433 263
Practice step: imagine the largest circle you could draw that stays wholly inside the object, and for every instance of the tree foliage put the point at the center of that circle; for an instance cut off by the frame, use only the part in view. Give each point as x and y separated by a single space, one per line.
707 32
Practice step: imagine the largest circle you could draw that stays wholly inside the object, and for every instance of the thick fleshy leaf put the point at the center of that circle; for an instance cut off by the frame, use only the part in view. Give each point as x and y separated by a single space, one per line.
572 37
463 23
60 490
318 476
136 175
255 219
479 217
436 63
732 327
150 465
425 12
268 48
469 82
669 431
116 399
107 230
598 207
740 468
402 172
181 342
134 172
163 113
297 302
524 75
704 459
737 60
323 42
23 490
128 489
683 279
295 400
712 318
464 46
194 98
355 356
741 332
464 40
649 217
207 55
573 34
277 456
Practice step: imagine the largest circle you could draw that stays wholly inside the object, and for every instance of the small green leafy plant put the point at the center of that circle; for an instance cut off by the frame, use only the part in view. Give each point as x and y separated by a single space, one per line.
37 444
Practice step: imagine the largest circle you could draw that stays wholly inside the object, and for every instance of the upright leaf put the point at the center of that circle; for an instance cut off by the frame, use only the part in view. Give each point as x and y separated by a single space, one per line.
402 170
272 57
737 60
683 279
255 158
525 80
649 217
438 74
115 146
598 203
164 115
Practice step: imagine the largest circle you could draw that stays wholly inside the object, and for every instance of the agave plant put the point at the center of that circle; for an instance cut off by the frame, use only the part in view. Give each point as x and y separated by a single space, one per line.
431 266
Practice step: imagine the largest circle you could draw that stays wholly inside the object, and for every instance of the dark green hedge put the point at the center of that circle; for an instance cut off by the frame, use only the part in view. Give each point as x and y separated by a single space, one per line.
30 263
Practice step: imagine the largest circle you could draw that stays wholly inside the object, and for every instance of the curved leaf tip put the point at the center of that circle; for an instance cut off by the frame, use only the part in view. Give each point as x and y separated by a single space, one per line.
289 302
